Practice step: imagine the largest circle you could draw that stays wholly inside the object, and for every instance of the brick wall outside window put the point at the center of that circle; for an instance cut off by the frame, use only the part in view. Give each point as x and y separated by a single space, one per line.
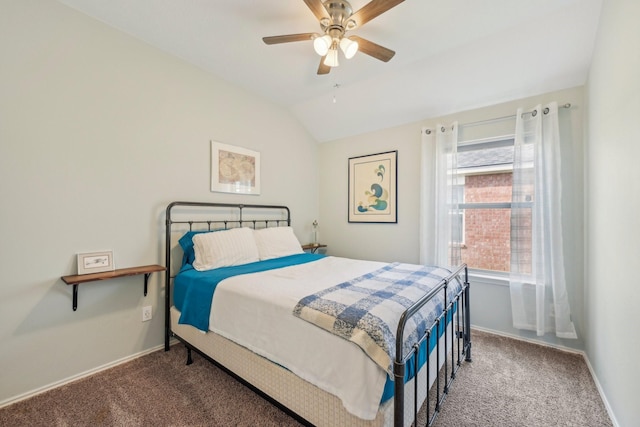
487 231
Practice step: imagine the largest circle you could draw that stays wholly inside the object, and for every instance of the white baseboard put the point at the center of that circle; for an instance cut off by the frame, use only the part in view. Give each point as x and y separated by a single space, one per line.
73 378
528 340
601 392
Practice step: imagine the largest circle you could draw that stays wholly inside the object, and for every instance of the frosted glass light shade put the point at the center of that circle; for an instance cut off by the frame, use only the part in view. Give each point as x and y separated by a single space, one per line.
331 59
349 47
322 44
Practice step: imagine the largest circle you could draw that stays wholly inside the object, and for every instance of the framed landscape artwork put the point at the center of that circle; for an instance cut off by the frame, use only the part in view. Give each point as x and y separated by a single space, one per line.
234 169
373 195
95 262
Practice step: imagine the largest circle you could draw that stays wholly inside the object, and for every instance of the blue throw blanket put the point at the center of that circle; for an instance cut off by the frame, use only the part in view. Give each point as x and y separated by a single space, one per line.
194 290
367 309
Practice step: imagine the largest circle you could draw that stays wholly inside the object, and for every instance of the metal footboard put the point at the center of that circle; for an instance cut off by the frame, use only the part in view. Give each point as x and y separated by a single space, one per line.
458 337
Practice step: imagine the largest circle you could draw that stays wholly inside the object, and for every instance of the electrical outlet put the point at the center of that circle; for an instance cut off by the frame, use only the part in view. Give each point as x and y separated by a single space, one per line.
146 313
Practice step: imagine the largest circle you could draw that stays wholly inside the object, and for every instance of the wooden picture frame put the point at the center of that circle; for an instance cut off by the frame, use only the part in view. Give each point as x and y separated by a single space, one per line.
234 169
373 188
95 262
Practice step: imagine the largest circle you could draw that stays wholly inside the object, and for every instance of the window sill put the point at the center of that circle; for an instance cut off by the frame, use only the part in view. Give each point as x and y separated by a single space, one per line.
488 277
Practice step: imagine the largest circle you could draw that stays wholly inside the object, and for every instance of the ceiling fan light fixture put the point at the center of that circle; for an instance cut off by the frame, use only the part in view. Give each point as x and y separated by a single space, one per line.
322 44
331 60
349 47
336 18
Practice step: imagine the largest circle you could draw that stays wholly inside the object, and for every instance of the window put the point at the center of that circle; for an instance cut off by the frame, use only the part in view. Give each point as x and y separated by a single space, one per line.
485 167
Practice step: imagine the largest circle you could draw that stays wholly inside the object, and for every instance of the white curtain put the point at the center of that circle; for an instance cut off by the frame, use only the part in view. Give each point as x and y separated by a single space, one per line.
427 222
539 299
448 222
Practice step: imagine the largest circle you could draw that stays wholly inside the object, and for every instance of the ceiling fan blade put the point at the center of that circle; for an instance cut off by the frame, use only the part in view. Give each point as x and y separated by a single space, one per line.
373 9
373 49
289 38
322 68
317 8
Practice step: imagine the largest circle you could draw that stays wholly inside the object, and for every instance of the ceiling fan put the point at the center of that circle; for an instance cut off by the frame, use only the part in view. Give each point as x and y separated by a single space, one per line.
336 17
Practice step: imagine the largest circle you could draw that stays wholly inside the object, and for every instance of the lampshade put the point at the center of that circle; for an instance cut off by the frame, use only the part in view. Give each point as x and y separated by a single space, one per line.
331 59
349 47
322 44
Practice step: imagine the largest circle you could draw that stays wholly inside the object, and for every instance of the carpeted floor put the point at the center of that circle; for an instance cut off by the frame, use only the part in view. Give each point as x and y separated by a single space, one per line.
509 383
515 383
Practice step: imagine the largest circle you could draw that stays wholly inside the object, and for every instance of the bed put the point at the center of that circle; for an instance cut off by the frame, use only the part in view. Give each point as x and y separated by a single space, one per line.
296 327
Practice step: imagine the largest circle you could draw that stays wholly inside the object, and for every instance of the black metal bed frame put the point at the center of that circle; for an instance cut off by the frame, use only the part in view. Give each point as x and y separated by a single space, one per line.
458 337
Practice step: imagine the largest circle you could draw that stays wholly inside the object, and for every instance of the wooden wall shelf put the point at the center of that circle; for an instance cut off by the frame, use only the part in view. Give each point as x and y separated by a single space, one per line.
78 279
312 247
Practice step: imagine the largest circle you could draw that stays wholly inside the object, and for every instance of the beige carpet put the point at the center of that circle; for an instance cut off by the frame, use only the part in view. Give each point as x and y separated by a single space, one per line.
515 383
509 383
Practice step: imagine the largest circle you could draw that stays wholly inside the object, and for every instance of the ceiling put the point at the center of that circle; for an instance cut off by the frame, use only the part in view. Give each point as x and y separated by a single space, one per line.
451 55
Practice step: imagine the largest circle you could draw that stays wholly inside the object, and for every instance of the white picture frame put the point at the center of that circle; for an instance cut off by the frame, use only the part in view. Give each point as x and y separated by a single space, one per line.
373 188
95 262
234 169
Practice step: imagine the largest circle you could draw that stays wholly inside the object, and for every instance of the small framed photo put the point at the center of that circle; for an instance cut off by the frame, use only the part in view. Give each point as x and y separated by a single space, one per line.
373 181
95 262
234 169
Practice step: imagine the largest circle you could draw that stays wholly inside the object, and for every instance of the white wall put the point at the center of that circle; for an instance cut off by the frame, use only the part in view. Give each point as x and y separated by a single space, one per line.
98 133
491 306
370 241
613 208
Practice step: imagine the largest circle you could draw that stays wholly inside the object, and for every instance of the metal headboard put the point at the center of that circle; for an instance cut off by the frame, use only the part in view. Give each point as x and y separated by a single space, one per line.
214 216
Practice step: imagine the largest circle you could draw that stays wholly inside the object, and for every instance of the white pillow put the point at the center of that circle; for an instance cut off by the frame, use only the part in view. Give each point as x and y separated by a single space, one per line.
276 242
225 248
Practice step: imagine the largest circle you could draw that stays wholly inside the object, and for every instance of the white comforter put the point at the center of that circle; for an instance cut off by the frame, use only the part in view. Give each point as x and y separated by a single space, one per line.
255 311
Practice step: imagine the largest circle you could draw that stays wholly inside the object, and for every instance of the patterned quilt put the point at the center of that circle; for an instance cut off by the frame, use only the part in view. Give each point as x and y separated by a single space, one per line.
367 309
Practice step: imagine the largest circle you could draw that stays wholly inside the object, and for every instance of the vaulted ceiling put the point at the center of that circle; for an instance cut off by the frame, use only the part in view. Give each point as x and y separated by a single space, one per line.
451 55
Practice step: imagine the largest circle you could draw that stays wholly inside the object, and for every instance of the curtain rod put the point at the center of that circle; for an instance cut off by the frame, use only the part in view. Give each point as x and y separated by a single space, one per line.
546 110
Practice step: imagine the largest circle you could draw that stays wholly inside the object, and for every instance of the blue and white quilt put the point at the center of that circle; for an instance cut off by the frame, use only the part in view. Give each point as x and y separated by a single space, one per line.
367 309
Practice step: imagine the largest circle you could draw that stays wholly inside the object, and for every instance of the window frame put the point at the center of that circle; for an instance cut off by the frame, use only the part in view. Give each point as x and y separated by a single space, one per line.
484 275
